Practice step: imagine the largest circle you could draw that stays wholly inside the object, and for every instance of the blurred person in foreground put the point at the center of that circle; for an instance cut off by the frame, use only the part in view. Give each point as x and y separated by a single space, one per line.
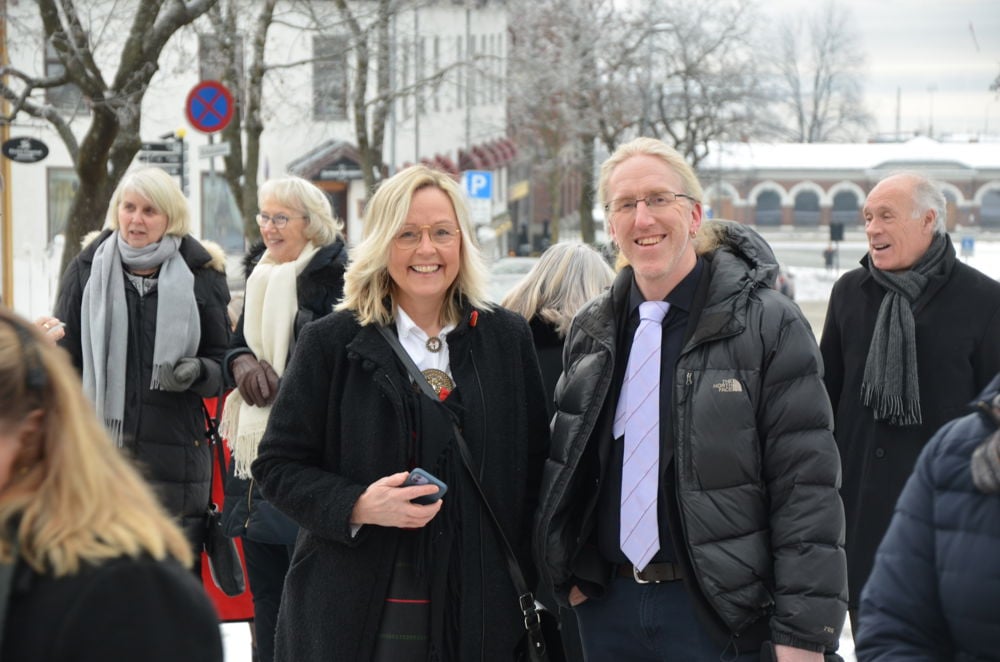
294 277
910 338
146 323
374 576
566 276
935 587
689 507
91 567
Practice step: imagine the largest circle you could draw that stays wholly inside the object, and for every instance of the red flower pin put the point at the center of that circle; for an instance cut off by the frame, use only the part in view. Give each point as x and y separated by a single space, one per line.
473 318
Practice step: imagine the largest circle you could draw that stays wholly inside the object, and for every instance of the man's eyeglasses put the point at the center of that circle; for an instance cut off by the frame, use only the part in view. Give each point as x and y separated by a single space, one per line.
659 200
278 220
441 234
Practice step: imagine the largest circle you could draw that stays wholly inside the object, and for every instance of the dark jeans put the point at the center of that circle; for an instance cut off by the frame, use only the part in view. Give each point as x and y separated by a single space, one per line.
654 622
267 566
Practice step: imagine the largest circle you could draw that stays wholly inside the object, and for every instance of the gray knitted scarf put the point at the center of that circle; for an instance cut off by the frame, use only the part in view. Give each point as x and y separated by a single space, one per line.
986 458
104 331
890 385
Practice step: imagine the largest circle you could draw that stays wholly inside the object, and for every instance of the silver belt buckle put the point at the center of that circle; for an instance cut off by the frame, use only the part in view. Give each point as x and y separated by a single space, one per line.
638 579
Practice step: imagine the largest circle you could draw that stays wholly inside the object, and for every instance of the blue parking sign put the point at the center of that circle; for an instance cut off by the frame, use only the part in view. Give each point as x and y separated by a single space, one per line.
478 184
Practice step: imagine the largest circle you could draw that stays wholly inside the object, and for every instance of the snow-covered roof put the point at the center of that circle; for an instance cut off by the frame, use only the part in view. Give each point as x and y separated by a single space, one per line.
920 152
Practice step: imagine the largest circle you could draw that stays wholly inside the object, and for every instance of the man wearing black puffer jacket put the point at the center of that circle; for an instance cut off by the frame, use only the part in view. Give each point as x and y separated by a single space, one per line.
741 528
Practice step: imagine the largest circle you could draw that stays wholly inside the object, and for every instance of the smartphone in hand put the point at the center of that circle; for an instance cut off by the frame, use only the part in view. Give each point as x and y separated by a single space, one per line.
420 477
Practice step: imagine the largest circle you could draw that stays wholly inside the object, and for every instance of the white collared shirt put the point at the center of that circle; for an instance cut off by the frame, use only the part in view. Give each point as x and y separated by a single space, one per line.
414 341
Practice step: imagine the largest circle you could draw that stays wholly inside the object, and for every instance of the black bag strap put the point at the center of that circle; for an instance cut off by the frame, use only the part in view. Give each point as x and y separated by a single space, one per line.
526 598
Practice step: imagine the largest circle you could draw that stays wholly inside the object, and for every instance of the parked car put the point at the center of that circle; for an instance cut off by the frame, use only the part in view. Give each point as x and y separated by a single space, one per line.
786 282
506 272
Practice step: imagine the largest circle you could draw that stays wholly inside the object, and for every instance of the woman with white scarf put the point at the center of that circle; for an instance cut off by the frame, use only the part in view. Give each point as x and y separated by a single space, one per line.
145 310
296 276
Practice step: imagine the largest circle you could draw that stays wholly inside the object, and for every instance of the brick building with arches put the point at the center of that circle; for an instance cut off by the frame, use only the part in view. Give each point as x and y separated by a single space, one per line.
800 185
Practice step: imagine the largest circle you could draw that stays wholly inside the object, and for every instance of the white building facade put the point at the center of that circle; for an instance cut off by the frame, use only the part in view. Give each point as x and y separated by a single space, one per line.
448 76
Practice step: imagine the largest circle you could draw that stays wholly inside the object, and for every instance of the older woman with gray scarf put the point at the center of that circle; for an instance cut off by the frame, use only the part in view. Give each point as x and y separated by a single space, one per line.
146 323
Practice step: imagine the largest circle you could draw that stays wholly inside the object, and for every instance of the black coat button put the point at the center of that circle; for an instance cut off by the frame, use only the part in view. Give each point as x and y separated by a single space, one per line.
880 453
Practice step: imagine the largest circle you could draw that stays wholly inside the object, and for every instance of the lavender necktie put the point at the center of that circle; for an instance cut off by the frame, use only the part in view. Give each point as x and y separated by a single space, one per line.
638 418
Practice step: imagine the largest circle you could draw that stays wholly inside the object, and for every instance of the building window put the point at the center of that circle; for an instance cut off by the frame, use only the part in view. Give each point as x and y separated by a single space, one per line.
62 184
845 209
213 64
63 97
330 77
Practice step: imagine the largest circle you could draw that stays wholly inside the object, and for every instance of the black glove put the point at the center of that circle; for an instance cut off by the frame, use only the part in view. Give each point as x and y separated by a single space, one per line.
183 374
252 380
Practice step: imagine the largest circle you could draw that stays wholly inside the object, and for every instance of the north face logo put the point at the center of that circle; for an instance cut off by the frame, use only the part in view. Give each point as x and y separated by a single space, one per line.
728 386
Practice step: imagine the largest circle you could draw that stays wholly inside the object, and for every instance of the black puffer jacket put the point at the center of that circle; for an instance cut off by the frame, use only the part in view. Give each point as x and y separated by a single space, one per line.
318 288
755 466
164 431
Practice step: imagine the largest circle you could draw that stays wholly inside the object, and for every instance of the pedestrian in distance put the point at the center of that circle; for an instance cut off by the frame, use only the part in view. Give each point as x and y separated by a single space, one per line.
935 586
375 576
294 277
91 566
909 339
145 310
689 506
567 275
829 253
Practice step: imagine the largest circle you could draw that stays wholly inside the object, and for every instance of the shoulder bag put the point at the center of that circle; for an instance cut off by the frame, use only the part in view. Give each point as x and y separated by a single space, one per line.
220 550
541 641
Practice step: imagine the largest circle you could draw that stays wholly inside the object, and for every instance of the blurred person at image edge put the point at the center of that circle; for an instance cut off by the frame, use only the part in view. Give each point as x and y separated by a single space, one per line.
935 586
91 567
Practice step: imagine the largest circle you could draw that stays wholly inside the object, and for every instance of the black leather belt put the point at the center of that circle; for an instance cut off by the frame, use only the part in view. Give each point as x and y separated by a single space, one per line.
654 573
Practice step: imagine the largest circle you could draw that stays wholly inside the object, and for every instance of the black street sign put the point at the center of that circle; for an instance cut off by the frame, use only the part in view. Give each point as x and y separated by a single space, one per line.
25 150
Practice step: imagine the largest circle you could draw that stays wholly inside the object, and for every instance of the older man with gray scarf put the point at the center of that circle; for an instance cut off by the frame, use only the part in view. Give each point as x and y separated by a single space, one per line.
909 340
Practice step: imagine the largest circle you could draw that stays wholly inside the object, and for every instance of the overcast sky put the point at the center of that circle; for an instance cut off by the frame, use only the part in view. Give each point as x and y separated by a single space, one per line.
923 45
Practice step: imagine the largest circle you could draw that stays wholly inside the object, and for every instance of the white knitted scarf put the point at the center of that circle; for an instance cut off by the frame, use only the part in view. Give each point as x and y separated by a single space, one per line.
268 323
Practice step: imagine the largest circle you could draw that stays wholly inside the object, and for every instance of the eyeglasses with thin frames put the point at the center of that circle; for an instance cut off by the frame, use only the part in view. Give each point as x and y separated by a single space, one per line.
278 220
627 206
441 234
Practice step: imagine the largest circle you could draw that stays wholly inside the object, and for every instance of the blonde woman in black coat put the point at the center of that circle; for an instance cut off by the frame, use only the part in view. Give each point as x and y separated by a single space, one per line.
374 576
91 567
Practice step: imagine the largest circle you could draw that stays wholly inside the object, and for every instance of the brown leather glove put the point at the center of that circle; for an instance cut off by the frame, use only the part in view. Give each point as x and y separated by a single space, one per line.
252 381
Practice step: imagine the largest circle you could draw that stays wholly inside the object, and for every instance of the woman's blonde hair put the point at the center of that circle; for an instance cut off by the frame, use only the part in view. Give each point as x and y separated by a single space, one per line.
322 227
73 496
566 276
367 285
159 188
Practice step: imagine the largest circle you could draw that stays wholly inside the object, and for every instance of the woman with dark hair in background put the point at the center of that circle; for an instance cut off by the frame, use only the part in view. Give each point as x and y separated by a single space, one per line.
145 311
91 567
294 277
374 576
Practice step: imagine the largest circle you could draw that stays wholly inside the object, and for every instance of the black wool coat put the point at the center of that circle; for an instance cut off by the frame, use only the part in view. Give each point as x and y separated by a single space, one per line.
318 288
548 346
339 424
958 352
935 587
163 431
122 609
